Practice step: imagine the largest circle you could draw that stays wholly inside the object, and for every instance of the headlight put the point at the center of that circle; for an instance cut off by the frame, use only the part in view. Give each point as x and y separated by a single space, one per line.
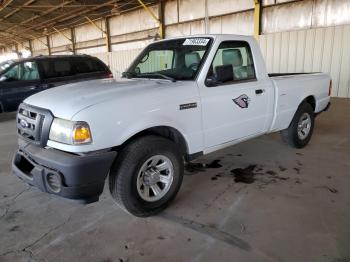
70 132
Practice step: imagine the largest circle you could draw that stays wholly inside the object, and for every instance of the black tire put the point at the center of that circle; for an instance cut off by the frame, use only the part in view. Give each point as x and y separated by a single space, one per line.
290 135
125 171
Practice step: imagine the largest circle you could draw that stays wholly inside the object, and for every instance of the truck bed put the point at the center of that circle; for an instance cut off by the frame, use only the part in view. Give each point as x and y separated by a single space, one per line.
291 89
289 74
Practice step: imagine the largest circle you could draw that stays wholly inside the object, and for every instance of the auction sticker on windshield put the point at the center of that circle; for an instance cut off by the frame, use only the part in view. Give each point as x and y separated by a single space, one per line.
196 41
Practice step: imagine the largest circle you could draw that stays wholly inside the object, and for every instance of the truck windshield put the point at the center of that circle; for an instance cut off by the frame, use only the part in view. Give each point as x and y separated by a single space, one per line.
177 59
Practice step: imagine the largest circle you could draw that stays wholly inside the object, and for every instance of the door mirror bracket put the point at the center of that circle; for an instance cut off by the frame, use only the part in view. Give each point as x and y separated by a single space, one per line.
211 82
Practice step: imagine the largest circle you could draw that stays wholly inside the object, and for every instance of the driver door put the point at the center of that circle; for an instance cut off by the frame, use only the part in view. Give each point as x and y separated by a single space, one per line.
234 101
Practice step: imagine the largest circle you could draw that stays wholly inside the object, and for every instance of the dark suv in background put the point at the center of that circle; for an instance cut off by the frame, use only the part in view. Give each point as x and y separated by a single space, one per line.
24 77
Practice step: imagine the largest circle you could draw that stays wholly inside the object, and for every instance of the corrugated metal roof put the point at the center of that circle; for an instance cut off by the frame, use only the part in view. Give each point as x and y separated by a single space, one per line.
21 20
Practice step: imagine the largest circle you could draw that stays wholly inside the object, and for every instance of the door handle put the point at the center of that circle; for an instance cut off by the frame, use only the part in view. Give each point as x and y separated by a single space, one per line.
259 91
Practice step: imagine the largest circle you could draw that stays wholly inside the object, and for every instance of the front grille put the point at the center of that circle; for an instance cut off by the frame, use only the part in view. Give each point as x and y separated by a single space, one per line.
29 124
33 124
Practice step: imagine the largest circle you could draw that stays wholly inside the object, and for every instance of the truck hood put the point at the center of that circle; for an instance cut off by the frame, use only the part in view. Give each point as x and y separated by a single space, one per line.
67 100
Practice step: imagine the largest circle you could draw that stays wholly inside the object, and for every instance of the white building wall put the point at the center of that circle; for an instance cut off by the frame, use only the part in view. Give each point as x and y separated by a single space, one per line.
89 31
304 14
239 23
324 49
133 21
222 7
57 40
39 48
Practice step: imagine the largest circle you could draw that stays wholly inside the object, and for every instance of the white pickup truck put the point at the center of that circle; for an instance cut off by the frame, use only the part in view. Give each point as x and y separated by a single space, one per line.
181 98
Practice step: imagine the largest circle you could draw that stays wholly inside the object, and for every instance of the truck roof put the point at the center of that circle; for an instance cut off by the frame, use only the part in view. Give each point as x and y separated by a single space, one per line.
42 57
215 36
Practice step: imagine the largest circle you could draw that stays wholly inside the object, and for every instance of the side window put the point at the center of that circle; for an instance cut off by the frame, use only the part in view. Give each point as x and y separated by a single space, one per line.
57 68
83 66
30 71
233 62
97 66
22 72
13 74
156 60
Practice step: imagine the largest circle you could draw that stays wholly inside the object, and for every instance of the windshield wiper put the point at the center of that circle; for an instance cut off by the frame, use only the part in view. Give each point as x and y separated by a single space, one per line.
158 74
128 74
133 74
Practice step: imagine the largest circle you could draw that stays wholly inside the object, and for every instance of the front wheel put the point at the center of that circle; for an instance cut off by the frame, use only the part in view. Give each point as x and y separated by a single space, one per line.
146 175
300 130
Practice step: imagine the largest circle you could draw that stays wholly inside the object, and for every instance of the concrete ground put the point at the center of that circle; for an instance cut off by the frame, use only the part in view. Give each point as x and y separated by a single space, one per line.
296 209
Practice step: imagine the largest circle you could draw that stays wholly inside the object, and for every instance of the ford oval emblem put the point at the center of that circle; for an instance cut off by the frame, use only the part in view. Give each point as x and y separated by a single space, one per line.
24 123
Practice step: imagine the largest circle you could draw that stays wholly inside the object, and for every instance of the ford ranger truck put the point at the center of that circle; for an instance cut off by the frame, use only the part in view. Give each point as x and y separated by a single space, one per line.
181 98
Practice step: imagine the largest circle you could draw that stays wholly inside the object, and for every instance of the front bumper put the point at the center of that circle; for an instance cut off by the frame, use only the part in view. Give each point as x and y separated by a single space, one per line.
64 174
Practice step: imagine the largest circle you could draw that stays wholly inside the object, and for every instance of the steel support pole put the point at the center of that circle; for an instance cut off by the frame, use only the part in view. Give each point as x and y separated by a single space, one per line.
257 18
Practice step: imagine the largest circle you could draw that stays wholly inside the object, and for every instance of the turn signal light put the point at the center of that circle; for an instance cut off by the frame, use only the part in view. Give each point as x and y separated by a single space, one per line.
81 134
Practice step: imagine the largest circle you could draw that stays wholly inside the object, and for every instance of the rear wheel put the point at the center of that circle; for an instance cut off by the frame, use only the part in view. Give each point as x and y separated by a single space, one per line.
300 130
146 176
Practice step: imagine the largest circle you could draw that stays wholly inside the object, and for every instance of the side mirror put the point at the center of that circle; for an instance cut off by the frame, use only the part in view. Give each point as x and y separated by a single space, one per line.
129 74
224 73
210 82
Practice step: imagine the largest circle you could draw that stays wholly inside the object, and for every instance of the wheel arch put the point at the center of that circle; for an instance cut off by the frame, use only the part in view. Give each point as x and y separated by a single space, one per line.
168 132
310 100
